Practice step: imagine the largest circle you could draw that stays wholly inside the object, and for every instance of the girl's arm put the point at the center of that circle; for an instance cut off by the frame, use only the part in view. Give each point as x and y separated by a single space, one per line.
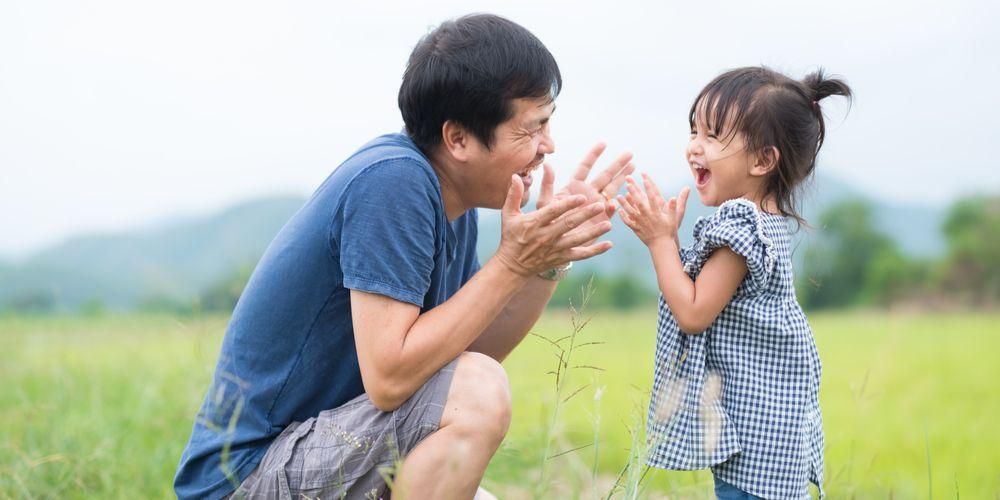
694 304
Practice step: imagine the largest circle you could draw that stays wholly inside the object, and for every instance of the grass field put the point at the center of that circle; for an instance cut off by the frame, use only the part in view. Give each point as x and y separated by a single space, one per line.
102 406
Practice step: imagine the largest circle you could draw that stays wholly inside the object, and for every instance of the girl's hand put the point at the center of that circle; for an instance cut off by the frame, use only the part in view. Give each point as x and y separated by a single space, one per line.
648 215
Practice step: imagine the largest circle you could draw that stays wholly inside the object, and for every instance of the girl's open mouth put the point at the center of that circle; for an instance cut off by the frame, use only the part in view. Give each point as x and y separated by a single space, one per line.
702 176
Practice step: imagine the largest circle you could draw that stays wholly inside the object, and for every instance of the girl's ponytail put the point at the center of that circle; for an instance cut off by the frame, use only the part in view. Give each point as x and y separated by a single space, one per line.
822 87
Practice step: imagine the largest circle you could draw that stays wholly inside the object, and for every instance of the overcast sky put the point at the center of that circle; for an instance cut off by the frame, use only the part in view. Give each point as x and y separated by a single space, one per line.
116 113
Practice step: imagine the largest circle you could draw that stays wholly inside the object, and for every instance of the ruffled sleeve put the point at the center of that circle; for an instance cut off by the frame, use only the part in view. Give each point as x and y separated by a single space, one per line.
736 224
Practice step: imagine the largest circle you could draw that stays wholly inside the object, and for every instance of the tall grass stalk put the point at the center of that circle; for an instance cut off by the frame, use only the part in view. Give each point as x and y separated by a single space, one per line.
565 347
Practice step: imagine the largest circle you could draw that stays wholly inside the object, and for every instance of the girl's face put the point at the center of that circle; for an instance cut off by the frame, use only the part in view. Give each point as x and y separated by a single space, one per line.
721 166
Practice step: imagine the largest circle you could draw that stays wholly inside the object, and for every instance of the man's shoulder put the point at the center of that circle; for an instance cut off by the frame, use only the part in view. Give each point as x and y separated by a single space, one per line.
393 159
389 147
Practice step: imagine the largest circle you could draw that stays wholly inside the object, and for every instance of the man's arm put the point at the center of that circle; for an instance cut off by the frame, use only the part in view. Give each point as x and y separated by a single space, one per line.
399 348
515 320
523 310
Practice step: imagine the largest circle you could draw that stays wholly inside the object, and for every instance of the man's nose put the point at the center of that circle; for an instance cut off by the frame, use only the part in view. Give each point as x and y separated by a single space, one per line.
547 146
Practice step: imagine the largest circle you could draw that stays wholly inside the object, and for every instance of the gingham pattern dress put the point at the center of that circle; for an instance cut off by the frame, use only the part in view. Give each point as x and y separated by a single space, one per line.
742 396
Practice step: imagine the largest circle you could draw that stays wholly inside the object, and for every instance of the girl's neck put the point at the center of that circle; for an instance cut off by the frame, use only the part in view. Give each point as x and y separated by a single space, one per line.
768 205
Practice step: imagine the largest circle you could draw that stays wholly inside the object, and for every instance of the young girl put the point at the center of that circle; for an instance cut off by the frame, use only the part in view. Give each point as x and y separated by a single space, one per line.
737 372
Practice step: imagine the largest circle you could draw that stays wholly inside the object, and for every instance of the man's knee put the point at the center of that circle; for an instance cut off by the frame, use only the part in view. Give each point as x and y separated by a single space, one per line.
479 397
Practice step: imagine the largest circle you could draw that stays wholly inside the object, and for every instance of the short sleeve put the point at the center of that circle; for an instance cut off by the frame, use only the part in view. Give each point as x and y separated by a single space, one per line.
389 235
470 265
737 225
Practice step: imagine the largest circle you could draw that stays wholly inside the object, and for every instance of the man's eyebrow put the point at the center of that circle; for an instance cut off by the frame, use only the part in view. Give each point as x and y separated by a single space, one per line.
543 120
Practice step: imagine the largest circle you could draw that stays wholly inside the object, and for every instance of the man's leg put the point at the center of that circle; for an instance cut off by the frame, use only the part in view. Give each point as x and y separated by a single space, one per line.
450 462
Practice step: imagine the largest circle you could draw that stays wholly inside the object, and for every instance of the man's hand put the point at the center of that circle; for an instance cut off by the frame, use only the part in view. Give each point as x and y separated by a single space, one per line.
558 232
648 215
604 187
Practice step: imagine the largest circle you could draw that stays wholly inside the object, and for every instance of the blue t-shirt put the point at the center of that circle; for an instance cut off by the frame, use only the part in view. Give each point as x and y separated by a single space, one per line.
377 224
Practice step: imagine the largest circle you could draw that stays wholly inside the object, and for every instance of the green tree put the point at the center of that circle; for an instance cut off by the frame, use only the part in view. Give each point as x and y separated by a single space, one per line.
972 267
892 277
222 296
851 262
621 291
34 302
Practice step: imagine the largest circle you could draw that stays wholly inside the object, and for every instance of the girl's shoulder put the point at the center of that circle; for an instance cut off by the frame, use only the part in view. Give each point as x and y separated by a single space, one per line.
738 220
739 225
732 210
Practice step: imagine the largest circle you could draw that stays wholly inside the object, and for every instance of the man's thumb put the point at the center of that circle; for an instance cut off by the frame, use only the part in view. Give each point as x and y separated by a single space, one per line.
512 205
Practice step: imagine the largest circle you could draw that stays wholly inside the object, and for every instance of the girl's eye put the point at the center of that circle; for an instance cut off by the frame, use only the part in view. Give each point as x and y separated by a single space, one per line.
711 135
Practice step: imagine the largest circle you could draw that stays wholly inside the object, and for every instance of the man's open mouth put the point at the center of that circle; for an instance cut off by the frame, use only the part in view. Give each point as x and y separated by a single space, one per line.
527 172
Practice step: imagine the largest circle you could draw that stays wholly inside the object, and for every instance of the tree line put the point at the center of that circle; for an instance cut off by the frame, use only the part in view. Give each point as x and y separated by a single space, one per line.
848 263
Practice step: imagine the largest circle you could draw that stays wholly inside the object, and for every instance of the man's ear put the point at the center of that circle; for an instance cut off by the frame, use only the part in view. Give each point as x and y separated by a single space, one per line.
765 161
456 141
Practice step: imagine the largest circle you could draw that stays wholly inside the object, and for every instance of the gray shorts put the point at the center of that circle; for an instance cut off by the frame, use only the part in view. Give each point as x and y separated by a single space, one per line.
349 451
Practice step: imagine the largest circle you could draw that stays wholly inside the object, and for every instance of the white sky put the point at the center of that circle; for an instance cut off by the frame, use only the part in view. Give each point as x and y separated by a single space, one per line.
114 113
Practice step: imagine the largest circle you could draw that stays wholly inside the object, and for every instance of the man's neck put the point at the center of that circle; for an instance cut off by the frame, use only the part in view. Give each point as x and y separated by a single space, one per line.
445 167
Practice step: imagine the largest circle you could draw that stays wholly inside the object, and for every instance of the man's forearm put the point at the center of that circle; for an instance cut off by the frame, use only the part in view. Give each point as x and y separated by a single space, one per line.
516 319
400 362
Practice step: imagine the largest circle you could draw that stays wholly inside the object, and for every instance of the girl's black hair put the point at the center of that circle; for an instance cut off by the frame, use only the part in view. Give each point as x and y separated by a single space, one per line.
772 110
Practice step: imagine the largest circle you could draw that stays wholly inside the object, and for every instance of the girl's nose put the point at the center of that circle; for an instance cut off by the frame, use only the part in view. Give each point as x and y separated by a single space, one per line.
695 147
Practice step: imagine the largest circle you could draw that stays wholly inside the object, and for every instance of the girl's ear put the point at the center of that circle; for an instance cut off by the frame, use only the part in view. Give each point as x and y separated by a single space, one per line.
765 161
456 141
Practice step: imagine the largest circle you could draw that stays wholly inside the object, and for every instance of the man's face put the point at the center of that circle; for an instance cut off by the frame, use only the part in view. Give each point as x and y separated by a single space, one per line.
519 147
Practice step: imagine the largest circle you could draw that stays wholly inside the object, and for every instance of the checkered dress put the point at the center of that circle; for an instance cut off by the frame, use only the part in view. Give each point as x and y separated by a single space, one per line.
741 397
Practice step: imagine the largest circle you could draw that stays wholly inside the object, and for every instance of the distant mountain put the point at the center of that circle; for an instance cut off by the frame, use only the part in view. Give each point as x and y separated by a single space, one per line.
173 262
178 260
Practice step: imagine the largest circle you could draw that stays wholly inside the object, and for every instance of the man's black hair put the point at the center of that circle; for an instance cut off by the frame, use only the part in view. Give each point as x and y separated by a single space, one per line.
468 70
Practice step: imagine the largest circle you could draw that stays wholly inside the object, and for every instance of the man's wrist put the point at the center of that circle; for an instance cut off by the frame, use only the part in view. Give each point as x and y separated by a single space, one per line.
556 273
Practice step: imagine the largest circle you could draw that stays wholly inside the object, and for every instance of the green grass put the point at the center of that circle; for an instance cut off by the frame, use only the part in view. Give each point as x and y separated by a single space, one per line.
102 407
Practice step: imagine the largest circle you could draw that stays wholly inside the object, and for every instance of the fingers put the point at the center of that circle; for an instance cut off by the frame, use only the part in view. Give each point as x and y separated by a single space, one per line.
573 219
682 200
612 188
636 196
583 235
548 184
626 212
560 207
512 204
627 206
652 191
586 252
616 168
588 162
609 209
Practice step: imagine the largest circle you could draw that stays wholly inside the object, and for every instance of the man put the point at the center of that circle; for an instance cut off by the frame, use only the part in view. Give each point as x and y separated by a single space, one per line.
366 344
